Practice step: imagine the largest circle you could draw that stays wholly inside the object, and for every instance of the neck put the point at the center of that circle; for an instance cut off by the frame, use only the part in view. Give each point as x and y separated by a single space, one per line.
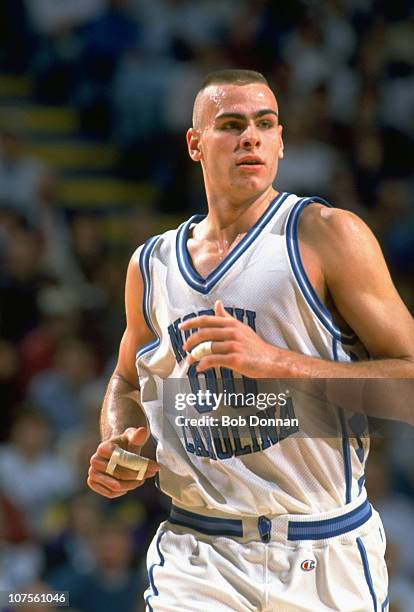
228 219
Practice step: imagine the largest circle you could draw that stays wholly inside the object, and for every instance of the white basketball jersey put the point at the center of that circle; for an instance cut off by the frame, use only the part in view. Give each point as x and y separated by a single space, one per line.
264 470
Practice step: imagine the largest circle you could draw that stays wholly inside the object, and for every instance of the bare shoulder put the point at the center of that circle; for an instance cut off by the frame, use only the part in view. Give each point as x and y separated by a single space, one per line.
336 234
136 333
134 285
135 257
321 222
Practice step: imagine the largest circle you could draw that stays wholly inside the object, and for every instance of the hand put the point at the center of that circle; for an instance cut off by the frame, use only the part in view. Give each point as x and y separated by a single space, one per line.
123 479
234 345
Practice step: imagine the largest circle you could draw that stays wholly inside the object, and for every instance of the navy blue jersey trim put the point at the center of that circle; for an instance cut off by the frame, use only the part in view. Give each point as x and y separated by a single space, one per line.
347 459
206 524
385 603
330 528
297 530
144 265
367 573
301 277
191 276
146 348
151 573
345 440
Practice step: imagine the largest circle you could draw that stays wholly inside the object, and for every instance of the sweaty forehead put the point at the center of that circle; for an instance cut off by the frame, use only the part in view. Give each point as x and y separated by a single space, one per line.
244 99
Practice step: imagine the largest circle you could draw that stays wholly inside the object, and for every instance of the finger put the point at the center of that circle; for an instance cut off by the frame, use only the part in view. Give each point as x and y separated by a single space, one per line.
203 321
217 361
120 472
203 335
132 439
112 483
105 449
217 348
220 311
102 490
136 436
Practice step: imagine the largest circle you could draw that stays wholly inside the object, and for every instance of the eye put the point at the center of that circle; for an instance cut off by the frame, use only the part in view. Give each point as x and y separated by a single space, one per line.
265 124
230 125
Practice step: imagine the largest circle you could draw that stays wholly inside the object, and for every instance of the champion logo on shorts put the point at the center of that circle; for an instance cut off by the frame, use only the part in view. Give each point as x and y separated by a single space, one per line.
308 565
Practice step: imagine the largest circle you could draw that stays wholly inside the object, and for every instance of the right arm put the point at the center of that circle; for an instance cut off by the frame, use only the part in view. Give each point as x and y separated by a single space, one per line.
121 408
123 421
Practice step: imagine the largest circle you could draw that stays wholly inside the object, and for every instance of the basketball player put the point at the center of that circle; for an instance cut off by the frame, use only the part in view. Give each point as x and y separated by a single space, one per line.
267 285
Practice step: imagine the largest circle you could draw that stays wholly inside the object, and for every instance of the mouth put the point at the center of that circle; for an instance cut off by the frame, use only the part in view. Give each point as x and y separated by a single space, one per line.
252 162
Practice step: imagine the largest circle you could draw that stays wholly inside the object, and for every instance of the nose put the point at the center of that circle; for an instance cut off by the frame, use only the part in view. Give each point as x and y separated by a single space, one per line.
250 138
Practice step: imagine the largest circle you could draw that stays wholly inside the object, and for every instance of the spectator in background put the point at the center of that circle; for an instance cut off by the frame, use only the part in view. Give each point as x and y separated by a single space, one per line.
15 35
305 52
30 473
108 322
21 280
367 161
105 40
113 584
57 57
49 18
75 445
88 244
338 34
20 559
309 164
89 252
138 94
58 391
192 24
75 544
60 320
10 392
393 220
107 37
25 182
28 190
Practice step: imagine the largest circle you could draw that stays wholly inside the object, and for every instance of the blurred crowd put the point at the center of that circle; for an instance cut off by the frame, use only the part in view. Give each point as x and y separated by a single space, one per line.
343 72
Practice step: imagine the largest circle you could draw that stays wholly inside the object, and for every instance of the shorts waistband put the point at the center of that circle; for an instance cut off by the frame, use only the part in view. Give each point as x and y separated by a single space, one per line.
306 527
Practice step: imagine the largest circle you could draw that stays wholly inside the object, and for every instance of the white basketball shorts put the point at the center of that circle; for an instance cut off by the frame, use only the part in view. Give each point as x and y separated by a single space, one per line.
291 563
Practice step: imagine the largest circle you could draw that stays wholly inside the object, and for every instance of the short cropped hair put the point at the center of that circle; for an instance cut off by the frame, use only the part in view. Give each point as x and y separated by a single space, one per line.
233 76
229 76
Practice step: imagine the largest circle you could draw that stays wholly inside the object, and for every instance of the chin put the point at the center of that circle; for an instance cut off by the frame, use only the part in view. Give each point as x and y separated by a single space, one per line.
252 185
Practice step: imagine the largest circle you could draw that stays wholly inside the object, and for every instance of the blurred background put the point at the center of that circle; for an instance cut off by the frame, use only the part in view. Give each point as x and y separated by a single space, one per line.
95 99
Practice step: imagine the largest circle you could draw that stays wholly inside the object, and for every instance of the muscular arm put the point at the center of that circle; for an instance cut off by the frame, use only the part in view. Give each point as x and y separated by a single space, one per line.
341 257
121 407
123 422
354 272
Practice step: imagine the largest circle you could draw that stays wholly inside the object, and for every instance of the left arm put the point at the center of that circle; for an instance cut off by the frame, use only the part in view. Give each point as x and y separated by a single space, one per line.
354 272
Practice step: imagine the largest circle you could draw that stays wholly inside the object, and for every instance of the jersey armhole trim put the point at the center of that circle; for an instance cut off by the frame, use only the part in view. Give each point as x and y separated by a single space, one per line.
144 265
307 290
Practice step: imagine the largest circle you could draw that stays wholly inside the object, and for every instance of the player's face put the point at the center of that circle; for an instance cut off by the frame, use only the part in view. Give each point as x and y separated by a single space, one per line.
238 140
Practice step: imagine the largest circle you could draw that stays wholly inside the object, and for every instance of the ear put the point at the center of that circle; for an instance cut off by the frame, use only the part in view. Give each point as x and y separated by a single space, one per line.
193 144
281 146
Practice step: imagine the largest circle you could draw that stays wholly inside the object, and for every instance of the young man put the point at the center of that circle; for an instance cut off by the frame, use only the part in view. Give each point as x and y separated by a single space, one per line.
267 285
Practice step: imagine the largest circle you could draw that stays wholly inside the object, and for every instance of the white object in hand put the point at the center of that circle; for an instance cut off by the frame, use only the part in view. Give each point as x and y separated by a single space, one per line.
125 459
201 350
